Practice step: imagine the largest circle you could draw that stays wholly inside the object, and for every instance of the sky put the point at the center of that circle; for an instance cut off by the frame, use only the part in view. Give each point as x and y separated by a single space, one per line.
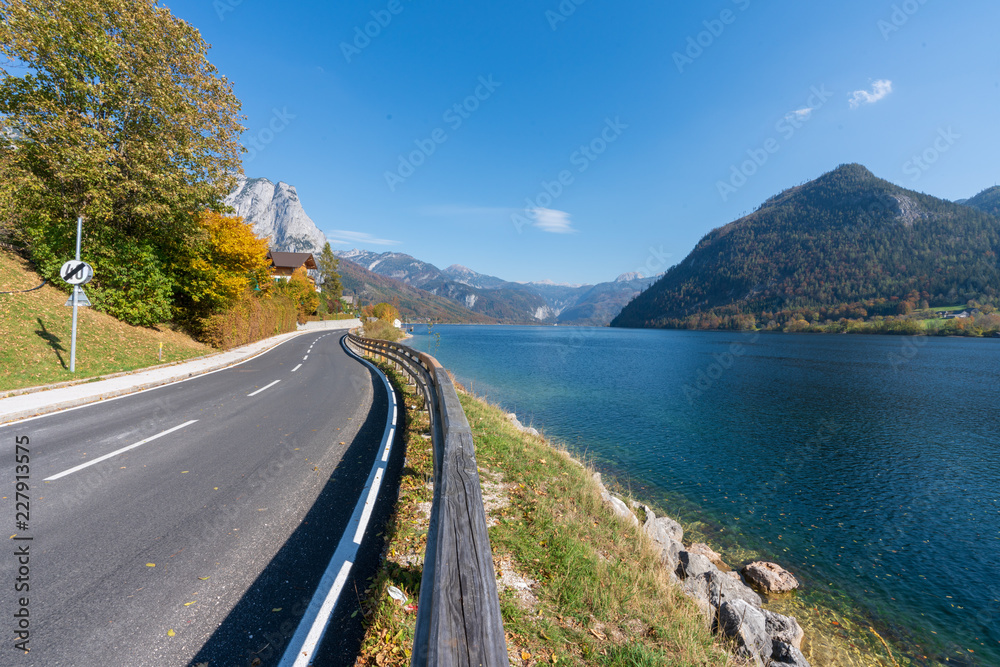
574 141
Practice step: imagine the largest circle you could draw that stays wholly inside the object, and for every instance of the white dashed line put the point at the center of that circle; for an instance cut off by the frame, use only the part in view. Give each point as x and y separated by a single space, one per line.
297 368
263 388
117 452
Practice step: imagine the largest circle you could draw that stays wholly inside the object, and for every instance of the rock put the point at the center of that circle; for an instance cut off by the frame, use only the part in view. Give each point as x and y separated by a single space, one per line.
512 418
661 530
692 565
788 655
769 577
621 510
745 623
784 629
697 590
706 551
723 588
531 431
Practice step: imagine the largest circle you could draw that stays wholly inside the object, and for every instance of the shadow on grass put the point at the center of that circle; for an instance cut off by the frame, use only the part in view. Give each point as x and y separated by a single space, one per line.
53 340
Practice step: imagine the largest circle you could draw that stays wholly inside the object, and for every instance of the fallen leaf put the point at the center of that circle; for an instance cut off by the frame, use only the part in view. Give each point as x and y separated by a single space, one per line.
525 655
188 604
150 564
276 609
171 633
203 578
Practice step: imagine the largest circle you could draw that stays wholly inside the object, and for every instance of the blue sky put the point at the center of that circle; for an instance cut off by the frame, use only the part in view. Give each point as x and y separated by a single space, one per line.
573 141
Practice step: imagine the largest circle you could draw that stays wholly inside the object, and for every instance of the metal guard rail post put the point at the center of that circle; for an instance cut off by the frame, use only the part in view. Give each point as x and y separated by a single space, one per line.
458 615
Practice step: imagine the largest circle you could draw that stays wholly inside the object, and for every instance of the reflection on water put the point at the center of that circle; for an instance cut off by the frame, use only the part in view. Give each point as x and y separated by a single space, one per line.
870 474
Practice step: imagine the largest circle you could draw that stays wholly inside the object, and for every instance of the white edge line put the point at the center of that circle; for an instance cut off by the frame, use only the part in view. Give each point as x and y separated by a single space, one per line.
388 444
323 618
117 452
303 643
263 388
366 514
105 401
297 368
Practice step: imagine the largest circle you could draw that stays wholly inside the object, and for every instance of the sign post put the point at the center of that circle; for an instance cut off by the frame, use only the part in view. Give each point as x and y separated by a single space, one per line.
76 273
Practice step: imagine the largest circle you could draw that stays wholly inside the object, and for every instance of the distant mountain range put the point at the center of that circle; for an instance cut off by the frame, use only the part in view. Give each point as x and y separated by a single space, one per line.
846 245
455 294
503 301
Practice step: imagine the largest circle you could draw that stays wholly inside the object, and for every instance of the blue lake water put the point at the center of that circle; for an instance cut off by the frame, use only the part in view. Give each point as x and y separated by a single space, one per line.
869 466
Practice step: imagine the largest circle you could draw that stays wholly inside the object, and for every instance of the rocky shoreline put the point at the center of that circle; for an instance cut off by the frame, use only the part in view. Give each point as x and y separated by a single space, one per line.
728 602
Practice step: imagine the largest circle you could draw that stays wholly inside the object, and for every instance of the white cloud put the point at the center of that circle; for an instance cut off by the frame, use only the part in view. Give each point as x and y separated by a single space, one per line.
343 237
552 221
880 89
800 114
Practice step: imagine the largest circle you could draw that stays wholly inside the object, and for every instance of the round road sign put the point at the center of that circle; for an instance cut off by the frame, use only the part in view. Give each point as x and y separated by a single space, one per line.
76 272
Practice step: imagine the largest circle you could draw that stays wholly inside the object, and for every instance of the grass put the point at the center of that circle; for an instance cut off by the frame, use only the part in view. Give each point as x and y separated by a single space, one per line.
36 327
578 587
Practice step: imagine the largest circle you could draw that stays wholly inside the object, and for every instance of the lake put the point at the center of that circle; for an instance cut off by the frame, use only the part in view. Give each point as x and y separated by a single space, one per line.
867 465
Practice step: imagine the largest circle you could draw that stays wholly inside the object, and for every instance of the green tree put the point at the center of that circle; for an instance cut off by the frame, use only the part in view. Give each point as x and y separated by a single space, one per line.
331 287
112 112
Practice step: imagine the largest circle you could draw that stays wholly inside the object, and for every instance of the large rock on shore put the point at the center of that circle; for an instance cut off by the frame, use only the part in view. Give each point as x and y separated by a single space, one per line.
769 577
784 629
786 655
745 623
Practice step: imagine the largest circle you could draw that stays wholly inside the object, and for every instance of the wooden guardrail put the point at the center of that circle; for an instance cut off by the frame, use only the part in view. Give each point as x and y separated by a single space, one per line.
458 613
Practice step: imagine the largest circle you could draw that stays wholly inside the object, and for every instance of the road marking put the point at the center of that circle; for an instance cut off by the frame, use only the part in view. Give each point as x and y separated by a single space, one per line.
305 357
319 625
297 368
302 647
388 443
263 388
369 506
117 452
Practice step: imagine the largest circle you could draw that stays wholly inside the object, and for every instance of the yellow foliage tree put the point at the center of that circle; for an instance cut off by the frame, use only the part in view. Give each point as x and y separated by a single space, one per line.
301 290
225 260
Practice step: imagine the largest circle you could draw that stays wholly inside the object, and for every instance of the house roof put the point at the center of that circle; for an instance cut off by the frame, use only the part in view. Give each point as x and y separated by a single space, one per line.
291 260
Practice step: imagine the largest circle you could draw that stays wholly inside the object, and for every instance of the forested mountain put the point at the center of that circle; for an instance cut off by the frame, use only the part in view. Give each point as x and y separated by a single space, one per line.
988 200
846 245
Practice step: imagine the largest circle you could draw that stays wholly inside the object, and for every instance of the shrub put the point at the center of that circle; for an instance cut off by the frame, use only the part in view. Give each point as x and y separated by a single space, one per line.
250 319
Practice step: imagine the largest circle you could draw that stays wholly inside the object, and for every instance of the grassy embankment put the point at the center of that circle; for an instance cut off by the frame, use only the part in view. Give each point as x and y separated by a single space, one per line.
35 328
578 587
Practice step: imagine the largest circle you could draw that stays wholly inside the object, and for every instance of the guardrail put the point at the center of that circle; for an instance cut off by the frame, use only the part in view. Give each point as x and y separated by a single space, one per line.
458 614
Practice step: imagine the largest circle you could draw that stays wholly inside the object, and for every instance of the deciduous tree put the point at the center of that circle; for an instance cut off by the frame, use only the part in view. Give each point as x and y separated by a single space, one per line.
114 113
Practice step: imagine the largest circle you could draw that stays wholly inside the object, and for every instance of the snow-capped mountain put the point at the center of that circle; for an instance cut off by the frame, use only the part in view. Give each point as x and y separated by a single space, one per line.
275 211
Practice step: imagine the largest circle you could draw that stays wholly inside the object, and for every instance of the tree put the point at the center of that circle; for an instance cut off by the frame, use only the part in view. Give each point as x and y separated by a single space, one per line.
331 287
113 113
219 266
301 290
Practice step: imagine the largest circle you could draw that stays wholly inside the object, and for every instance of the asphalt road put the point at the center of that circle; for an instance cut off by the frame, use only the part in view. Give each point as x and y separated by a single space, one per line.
203 544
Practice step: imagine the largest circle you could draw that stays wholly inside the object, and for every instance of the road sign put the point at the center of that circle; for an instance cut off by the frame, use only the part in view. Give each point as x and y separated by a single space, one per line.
76 272
81 299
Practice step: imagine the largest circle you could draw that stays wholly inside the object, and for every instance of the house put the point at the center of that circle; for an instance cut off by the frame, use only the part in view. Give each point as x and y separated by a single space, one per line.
396 323
349 300
283 264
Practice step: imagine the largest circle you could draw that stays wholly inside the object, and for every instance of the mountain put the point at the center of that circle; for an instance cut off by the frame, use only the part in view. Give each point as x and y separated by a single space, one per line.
414 304
275 211
845 245
988 200
507 302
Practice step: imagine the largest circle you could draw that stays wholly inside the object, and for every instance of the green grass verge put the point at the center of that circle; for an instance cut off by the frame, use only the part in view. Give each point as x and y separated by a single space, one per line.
36 328
578 587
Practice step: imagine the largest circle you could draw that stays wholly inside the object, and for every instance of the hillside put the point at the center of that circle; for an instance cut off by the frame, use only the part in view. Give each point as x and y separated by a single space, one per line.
847 244
988 200
413 303
36 327
275 211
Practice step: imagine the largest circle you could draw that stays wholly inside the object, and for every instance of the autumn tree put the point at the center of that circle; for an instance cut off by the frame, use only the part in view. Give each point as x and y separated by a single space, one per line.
300 289
223 261
114 113
331 287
